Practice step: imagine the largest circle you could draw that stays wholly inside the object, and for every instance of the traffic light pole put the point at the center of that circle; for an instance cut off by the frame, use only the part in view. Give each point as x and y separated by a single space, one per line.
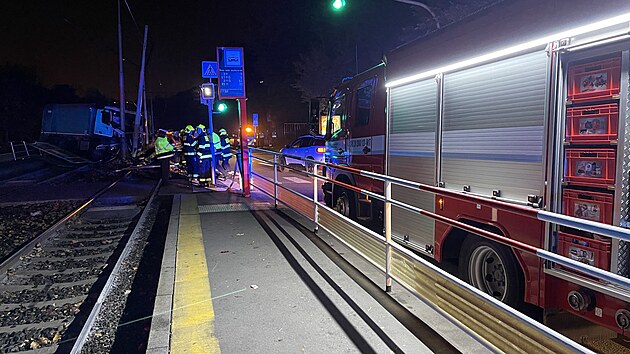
242 108
211 135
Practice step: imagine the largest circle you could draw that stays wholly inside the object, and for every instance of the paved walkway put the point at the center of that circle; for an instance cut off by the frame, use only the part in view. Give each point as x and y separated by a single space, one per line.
240 276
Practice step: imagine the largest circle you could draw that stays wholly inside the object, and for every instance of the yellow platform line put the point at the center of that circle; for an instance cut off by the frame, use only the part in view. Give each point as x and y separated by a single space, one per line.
192 327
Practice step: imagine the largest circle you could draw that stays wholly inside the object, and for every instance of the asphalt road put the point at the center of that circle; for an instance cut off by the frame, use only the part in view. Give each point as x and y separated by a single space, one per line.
292 179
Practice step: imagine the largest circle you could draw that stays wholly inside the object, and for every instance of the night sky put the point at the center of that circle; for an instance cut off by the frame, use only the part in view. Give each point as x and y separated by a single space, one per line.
75 41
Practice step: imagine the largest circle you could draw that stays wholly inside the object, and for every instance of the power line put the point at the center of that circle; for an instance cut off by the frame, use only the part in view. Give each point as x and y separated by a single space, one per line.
134 21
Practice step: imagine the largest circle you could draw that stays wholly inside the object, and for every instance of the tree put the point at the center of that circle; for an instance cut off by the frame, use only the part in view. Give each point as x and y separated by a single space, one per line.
20 102
317 73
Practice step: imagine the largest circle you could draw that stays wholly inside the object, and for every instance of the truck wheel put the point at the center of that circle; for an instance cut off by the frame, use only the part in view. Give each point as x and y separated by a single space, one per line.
491 268
345 204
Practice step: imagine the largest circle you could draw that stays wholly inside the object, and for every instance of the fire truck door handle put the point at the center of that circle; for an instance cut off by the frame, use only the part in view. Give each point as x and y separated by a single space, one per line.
366 150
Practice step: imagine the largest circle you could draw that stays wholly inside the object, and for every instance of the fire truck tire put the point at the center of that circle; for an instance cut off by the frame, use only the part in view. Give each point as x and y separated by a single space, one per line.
345 204
491 268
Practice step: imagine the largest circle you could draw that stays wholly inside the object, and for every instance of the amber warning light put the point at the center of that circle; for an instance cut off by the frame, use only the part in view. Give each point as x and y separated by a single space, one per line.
321 150
441 203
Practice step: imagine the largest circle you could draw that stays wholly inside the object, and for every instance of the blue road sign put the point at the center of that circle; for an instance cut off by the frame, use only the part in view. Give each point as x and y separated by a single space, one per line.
231 72
209 69
255 119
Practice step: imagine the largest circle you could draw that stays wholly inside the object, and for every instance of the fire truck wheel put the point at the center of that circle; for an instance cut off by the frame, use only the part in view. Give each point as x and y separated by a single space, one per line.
345 204
491 268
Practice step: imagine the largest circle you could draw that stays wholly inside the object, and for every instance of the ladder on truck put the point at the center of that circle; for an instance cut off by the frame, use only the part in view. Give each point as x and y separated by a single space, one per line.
19 150
50 149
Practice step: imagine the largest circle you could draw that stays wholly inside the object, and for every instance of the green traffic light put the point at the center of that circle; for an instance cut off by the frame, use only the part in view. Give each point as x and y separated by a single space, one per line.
339 4
221 107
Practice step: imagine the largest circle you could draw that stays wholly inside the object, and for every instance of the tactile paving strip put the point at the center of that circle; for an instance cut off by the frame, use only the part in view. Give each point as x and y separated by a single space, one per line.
222 208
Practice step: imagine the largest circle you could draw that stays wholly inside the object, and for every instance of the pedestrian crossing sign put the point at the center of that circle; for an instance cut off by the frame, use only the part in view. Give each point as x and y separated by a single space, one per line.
209 70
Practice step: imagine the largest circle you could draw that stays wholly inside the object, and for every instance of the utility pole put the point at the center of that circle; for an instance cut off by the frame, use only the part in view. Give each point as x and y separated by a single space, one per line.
136 126
123 144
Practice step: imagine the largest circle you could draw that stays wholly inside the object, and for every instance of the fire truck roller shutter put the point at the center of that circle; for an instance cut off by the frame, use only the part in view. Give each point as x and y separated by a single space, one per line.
411 155
493 127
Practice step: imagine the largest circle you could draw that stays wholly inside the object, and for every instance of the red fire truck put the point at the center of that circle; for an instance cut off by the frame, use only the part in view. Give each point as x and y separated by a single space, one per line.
539 124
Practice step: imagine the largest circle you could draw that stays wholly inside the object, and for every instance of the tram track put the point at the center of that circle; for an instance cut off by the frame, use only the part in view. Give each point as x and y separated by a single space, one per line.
48 287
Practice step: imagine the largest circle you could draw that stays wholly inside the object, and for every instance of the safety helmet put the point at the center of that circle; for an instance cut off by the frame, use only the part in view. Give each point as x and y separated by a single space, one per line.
189 128
201 127
222 131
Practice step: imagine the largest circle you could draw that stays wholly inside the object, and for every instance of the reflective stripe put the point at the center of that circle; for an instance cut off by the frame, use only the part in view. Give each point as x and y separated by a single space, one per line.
189 153
163 156
227 155
204 156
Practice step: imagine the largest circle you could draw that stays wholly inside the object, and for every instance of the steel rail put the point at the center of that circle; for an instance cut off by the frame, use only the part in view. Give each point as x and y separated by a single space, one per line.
89 323
27 248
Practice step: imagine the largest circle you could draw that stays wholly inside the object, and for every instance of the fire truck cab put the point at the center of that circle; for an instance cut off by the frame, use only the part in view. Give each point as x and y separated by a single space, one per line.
355 138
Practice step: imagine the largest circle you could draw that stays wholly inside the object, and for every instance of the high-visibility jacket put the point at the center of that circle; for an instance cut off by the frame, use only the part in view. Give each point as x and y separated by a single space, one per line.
190 145
226 150
217 144
163 149
204 150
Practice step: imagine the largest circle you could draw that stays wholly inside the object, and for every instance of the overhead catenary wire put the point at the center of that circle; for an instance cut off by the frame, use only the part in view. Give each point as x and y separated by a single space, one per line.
134 21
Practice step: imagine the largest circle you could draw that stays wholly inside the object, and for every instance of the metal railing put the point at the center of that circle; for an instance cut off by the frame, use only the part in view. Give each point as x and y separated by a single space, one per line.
19 150
465 305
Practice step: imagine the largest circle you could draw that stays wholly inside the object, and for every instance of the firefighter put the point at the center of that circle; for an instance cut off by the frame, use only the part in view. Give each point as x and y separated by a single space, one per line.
226 151
218 157
163 153
204 154
190 147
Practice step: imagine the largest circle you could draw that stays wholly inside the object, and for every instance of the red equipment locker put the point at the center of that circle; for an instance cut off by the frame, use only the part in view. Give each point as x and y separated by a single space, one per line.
594 81
588 205
592 124
590 167
585 250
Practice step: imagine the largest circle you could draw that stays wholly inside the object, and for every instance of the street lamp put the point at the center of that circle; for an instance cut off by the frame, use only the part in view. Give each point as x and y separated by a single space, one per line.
424 6
339 4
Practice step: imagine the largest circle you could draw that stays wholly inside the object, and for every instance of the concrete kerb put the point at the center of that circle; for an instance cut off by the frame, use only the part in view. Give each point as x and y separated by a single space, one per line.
160 334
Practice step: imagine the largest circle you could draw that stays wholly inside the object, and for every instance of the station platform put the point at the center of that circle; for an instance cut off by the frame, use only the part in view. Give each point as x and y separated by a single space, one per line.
239 275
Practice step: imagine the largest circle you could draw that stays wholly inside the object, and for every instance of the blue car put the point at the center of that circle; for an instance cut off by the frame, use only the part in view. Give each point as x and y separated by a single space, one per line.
306 146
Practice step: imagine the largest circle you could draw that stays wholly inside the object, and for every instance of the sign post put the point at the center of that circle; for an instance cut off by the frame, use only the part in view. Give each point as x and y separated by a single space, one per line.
207 98
232 85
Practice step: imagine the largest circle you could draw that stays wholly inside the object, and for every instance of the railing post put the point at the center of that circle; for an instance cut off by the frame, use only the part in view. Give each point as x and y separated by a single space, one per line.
315 200
250 163
275 181
388 235
13 151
